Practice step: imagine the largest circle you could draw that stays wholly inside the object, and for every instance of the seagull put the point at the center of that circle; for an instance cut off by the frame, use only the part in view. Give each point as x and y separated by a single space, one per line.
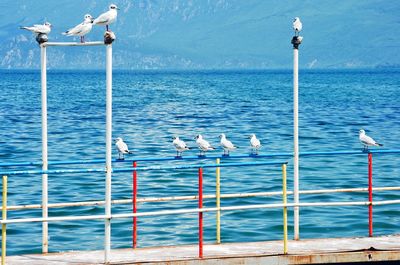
226 144
204 146
122 148
367 141
39 29
82 29
297 26
254 143
108 17
180 146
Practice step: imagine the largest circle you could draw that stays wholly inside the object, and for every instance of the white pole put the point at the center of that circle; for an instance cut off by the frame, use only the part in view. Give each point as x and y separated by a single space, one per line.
296 139
43 58
107 228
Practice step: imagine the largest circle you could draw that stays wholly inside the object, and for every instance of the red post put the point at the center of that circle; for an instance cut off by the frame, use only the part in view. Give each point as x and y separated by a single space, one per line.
370 193
200 213
134 209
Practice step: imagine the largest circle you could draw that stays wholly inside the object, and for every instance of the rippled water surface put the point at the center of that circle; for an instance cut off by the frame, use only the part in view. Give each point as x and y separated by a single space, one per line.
150 107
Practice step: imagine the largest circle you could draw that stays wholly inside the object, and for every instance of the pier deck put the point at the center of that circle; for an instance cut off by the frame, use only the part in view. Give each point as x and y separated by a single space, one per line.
310 251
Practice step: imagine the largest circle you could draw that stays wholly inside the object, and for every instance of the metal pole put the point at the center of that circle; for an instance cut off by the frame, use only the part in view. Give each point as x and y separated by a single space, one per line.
43 59
284 193
134 207
370 193
4 226
107 228
200 213
296 42
218 201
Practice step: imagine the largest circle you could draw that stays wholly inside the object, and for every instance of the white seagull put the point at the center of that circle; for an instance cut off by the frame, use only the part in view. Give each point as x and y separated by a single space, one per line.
122 148
226 144
204 146
367 141
254 143
297 26
180 146
39 29
81 29
108 17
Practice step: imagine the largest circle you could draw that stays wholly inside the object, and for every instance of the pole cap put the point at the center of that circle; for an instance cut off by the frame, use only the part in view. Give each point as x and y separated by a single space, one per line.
296 41
42 38
109 37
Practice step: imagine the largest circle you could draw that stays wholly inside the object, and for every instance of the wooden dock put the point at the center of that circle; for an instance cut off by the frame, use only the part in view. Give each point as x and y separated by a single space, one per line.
310 251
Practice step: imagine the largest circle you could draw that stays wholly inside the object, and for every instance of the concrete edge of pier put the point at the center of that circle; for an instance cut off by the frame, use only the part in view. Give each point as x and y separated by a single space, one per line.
308 251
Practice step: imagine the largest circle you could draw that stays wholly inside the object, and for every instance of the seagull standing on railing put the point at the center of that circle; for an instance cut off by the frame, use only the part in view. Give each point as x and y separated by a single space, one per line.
180 146
204 146
39 29
122 148
108 17
367 141
226 144
297 26
82 29
255 144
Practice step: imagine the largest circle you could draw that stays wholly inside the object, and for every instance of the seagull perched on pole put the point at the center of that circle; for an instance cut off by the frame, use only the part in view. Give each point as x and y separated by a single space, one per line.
226 145
180 146
108 17
122 148
297 26
39 29
82 29
255 144
367 141
204 146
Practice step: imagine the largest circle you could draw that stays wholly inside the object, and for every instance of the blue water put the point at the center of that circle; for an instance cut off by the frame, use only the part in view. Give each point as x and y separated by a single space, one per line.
150 107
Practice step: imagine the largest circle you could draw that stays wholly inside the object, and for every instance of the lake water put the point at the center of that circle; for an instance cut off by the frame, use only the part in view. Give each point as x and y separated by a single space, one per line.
150 107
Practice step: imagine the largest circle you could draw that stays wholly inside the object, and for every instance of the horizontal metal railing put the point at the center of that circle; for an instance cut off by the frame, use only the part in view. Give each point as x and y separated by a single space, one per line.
196 210
64 44
195 197
223 157
130 169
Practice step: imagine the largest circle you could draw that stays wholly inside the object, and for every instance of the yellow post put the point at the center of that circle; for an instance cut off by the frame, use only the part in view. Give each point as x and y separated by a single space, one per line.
218 201
3 226
285 232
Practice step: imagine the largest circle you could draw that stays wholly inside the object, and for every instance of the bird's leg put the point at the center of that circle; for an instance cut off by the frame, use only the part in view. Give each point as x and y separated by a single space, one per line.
365 150
82 41
107 27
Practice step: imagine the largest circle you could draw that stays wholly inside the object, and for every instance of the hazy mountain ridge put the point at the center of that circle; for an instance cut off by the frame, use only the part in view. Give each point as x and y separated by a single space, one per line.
162 34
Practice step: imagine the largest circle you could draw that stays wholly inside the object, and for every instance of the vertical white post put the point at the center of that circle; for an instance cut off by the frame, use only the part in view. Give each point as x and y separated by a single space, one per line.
43 59
107 228
296 139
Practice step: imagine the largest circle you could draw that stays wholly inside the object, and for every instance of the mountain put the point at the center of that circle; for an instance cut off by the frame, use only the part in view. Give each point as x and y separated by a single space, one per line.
208 34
